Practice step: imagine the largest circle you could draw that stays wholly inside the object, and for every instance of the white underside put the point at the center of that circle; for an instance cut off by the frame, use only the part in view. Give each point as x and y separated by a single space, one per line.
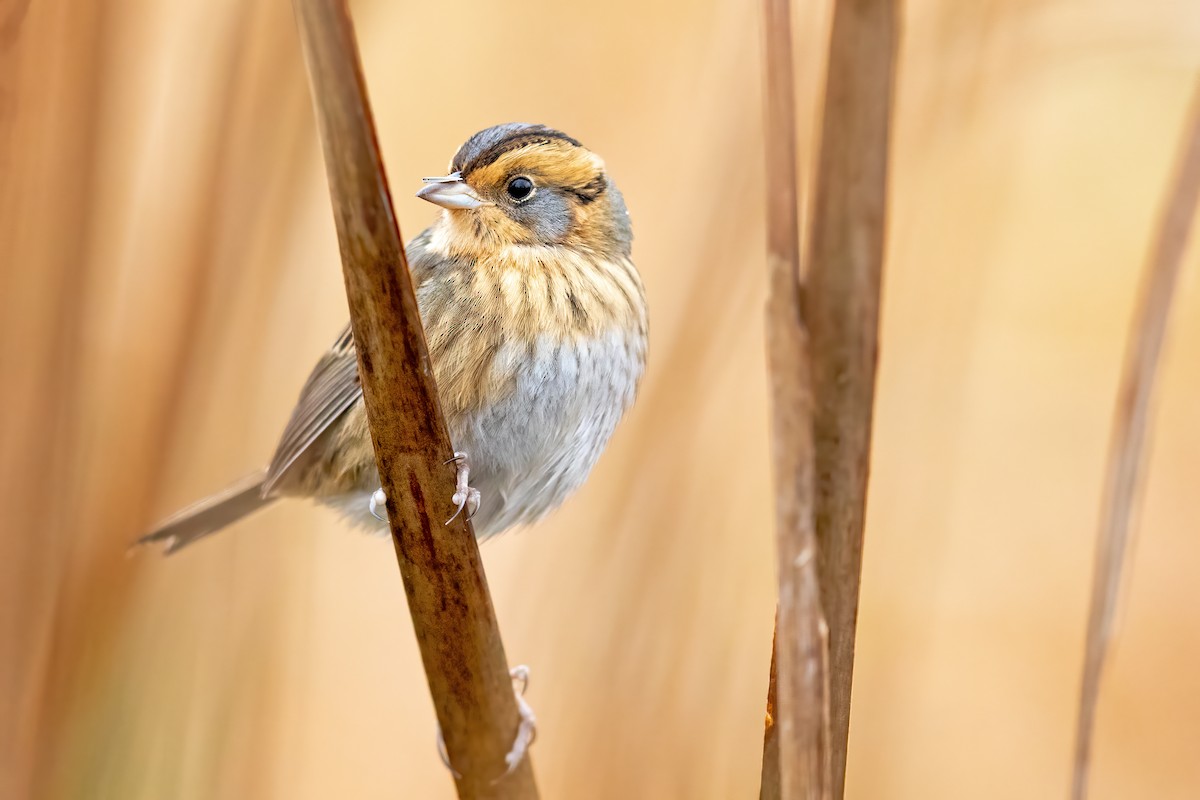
529 452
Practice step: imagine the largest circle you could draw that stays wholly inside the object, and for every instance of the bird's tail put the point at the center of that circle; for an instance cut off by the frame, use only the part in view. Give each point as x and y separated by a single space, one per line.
210 514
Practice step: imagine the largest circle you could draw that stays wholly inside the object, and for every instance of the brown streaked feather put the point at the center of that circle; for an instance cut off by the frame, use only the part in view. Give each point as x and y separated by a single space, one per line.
331 389
521 292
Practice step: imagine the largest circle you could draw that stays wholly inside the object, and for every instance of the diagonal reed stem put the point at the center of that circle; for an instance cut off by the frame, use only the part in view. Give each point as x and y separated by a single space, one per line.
443 577
1132 417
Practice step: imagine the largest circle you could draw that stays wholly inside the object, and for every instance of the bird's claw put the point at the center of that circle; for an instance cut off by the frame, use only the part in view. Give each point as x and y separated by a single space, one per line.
468 500
526 728
441 745
465 496
378 501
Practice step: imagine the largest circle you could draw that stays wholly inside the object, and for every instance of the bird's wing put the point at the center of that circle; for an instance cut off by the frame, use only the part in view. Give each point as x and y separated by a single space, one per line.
333 385
332 388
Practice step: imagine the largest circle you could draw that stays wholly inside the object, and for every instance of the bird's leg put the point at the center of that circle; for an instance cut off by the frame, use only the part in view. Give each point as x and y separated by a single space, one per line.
526 727
464 495
378 501
446 756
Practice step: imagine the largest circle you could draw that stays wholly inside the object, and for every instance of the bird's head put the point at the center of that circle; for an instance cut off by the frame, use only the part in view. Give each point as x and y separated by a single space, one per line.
520 184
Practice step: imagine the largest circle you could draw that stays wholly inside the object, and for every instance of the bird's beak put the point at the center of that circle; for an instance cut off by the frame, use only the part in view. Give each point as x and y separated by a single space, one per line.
450 192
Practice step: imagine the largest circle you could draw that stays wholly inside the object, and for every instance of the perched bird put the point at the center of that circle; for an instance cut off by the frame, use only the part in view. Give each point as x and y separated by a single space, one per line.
536 323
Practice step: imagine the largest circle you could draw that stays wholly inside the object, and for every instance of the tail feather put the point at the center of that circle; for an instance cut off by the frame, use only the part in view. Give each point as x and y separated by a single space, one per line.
210 514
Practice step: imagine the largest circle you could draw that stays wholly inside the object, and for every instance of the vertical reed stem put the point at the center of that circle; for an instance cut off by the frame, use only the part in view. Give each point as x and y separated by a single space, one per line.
842 295
796 749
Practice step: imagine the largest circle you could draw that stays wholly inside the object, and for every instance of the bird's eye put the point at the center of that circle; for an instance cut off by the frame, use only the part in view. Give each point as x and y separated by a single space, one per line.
520 188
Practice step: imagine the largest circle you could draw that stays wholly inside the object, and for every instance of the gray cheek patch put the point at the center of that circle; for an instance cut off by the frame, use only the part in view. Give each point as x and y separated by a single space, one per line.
547 214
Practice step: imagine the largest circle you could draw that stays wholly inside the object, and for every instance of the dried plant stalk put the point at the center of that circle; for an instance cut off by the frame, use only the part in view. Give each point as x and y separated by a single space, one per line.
443 577
769 788
796 747
1127 448
841 309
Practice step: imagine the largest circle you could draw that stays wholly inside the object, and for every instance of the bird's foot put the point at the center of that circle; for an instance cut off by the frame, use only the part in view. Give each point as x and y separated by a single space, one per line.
465 496
526 727
378 503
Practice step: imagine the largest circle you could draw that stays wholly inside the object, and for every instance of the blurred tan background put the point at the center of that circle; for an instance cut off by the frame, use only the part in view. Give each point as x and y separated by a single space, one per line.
168 275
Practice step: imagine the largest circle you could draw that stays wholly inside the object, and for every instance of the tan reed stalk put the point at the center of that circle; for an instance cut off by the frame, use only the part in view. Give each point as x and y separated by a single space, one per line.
443 577
838 307
1131 419
841 309
796 747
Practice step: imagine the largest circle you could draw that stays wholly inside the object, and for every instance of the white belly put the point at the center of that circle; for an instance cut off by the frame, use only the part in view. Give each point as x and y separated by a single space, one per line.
537 446
531 450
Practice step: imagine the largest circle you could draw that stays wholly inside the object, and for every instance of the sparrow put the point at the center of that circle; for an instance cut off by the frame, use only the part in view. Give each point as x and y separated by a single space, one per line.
536 323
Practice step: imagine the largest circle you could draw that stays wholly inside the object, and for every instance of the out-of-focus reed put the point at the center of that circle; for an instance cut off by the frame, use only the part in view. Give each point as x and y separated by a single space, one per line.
1131 423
